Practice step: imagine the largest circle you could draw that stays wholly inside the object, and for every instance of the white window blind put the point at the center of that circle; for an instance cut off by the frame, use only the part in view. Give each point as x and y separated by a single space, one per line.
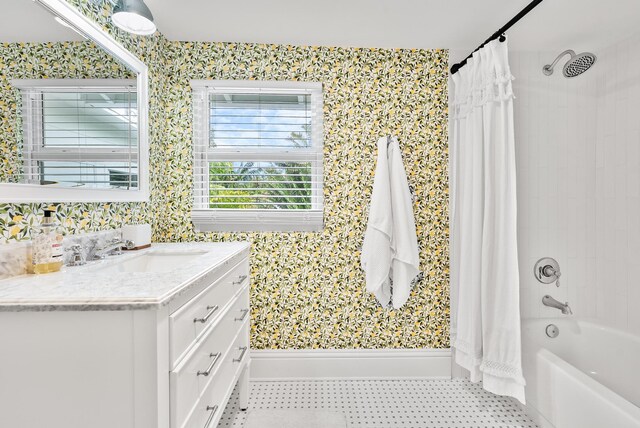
257 155
80 133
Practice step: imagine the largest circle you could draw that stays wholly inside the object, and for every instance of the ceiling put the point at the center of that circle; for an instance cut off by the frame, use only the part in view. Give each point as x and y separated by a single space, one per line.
459 25
27 21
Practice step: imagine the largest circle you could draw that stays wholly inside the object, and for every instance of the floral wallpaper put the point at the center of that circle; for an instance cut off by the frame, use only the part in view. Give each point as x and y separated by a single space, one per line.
313 281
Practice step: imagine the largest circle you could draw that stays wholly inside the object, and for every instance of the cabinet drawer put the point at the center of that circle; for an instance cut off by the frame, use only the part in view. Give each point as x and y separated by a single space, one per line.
187 323
213 400
203 364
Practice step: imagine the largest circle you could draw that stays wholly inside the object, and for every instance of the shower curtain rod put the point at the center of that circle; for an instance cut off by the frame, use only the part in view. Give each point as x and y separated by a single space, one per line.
497 34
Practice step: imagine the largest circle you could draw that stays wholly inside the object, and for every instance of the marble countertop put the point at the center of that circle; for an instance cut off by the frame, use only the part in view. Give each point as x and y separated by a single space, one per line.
88 288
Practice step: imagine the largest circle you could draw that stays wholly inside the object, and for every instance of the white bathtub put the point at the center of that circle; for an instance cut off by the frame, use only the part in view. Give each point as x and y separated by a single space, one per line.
587 377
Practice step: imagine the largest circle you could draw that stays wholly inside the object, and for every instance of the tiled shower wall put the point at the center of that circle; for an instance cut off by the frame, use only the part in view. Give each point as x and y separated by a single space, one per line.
578 158
555 149
617 190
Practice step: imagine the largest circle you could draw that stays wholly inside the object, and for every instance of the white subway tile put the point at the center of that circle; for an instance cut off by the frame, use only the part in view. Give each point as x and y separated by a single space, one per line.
579 184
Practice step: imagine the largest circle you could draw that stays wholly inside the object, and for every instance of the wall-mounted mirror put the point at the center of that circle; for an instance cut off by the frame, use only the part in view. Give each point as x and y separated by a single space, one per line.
73 109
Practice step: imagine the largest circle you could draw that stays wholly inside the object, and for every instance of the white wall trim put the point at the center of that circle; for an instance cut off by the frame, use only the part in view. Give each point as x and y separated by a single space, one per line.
243 85
291 364
74 85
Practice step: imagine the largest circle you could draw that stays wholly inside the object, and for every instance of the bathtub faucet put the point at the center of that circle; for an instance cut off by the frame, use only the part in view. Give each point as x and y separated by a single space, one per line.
551 302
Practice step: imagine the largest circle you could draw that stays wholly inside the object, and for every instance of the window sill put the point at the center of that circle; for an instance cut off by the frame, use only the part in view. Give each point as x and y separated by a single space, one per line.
221 220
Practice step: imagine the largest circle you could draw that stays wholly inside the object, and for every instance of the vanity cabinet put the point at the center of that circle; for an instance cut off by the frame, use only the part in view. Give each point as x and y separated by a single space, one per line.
135 362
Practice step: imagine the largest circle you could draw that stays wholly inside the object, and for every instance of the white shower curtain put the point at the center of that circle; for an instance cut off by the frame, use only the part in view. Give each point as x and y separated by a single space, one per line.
485 316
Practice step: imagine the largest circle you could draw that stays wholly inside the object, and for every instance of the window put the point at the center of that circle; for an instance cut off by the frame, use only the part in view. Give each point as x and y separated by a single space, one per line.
80 133
257 156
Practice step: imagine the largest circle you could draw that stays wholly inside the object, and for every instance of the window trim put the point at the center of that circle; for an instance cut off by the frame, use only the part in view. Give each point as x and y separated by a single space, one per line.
245 220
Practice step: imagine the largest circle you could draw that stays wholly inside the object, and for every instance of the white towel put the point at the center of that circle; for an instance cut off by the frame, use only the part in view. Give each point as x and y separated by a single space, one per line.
390 254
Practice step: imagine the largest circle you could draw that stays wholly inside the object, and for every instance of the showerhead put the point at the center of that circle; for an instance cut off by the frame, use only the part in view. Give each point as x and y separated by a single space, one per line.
576 65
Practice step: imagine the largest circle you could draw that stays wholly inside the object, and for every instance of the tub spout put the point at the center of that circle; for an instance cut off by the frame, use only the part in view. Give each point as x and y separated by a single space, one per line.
551 302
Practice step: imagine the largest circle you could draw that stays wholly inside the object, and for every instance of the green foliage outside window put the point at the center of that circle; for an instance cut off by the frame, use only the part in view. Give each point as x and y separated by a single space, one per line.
262 184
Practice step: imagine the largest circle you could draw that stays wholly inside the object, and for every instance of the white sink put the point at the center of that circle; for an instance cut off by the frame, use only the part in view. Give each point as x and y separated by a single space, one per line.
153 261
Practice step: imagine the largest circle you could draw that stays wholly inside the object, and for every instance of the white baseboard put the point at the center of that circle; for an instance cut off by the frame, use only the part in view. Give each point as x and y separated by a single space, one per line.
350 364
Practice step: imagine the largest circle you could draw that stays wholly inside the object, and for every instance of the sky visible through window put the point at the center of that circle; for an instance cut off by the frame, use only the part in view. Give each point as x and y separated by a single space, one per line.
257 121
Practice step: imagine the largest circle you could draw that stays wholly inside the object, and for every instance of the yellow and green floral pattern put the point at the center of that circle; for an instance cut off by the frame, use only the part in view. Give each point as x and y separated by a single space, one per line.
307 288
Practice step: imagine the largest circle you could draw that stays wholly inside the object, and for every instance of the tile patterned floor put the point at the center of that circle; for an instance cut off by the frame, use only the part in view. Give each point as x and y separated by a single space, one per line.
387 403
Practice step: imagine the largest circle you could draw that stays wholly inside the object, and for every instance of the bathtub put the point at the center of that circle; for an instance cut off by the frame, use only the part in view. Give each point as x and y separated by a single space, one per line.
587 377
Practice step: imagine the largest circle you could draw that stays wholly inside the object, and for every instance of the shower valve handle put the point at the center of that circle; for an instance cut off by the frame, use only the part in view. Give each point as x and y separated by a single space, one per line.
557 274
549 272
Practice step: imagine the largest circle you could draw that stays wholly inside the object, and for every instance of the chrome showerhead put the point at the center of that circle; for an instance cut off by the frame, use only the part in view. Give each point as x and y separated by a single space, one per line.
576 65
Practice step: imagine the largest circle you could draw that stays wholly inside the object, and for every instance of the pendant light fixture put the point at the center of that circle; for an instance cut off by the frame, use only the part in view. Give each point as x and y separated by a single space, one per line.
134 17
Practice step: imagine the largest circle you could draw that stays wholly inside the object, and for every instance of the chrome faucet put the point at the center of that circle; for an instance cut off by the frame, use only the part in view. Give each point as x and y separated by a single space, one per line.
112 247
553 303
77 255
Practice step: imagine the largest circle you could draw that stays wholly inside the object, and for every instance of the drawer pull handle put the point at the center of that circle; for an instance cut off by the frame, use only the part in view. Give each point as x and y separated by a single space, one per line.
211 310
244 350
240 280
207 372
244 315
213 410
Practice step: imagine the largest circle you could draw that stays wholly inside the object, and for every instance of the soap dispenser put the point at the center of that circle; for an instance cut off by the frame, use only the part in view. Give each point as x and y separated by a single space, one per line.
47 246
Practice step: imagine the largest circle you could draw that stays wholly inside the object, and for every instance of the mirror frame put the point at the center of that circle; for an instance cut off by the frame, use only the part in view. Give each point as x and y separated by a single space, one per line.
22 193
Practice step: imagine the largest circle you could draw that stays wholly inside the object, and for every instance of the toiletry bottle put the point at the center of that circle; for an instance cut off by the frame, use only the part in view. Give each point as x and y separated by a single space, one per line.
47 246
